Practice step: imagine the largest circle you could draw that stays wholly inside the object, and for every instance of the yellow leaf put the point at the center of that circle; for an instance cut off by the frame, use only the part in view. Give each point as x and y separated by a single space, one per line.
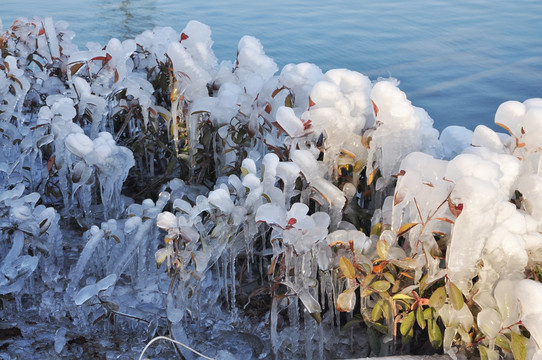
381 285
504 127
371 177
382 248
406 228
437 299
376 229
347 268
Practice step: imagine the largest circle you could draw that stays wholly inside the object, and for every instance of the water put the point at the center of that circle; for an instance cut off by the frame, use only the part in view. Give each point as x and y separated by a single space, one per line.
457 59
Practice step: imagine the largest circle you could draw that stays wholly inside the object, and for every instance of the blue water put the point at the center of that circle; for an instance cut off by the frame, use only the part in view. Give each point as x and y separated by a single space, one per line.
457 59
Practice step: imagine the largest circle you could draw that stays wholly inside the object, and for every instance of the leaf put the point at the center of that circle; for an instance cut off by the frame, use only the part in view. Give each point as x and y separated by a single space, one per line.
519 346
276 91
372 176
376 314
347 268
311 103
116 76
406 263
483 352
183 36
351 322
346 300
419 318
388 276
380 285
446 220
375 108
268 108
435 335
406 228
376 229
75 68
438 298
382 248
456 297
288 101
244 171
408 323
455 209
402 297
503 342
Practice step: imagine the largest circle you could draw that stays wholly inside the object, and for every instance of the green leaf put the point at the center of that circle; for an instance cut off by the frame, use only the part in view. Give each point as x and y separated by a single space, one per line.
420 318
428 314
519 347
352 322
503 342
381 328
483 352
456 297
377 311
381 285
347 268
435 335
408 323
438 298
244 171
390 278
402 297
374 340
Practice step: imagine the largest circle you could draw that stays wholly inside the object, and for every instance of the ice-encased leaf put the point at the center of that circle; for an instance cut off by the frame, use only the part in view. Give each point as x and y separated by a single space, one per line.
220 198
347 300
79 144
271 214
166 220
91 290
490 322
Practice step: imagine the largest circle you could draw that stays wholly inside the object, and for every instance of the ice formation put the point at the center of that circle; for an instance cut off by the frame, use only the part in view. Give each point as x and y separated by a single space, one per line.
292 176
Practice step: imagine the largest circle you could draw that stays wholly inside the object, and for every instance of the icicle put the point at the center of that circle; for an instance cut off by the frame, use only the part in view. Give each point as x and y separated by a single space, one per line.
293 316
308 331
274 313
232 302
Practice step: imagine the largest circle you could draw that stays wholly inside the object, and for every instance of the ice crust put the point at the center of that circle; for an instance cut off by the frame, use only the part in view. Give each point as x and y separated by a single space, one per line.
289 205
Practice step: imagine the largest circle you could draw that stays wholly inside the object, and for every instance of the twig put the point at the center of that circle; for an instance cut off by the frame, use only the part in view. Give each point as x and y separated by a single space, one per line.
175 342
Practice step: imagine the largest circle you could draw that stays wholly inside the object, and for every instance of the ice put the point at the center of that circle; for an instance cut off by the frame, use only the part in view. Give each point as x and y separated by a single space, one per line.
289 122
79 144
220 198
60 339
484 136
50 31
91 290
528 293
454 139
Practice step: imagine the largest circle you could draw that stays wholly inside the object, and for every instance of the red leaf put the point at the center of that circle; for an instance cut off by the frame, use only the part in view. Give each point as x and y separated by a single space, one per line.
446 220
455 209
50 163
311 103
41 32
107 57
375 108
184 36
100 58
268 108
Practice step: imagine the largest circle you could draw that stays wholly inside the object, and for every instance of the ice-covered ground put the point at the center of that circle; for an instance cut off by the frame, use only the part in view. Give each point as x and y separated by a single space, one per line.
287 205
